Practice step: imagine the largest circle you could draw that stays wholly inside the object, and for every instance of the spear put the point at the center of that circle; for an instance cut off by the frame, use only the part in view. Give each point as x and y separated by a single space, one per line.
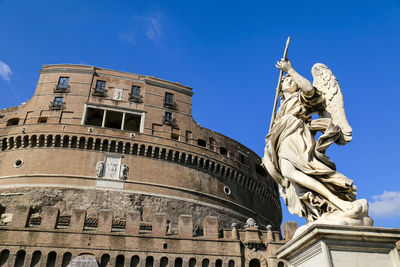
278 88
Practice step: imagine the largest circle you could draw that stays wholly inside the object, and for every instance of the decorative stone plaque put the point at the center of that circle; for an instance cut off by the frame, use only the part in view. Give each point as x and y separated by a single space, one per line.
112 166
117 94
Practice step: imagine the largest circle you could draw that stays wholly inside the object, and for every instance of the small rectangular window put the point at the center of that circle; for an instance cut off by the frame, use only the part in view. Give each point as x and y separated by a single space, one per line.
188 136
175 136
168 116
223 151
42 120
201 142
135 94
57 103
169 101
62 85
100 86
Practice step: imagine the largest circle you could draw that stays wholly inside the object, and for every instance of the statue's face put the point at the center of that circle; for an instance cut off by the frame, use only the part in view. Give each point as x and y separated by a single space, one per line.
288 85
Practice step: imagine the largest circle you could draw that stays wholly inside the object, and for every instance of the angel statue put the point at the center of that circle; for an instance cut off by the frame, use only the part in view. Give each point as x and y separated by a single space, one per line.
308 181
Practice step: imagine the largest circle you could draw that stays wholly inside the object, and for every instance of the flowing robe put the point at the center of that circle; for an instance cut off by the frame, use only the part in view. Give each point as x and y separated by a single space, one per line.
292 138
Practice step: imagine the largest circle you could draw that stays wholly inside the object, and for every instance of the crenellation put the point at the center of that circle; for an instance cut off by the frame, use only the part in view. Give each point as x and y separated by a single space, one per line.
49 218
210 227
185 226
78 219
105 221
159 226
21 216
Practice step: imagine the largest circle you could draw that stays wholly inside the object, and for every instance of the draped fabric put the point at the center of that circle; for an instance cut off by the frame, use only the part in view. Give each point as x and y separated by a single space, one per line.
292 138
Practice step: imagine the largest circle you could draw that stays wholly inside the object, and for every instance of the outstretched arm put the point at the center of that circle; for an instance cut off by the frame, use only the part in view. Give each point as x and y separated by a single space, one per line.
304 84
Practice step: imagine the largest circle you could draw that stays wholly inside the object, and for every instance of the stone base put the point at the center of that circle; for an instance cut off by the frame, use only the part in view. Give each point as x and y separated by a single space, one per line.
341 245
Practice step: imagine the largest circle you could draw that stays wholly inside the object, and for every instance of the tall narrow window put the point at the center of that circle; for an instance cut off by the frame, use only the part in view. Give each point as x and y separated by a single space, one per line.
57 103
100 88
169 101
168 119
135 94
62 85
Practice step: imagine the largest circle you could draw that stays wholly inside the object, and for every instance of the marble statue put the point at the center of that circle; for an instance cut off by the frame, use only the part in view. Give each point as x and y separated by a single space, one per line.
308 181
124 172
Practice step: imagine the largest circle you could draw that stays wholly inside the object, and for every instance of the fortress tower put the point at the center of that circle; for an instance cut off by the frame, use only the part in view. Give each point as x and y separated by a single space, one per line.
95 139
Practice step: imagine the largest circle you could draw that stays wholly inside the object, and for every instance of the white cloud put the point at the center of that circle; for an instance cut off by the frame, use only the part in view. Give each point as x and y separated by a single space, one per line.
386 205
153 29
5 71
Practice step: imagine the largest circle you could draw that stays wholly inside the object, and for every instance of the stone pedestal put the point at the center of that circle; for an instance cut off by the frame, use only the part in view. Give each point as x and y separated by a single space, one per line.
337 246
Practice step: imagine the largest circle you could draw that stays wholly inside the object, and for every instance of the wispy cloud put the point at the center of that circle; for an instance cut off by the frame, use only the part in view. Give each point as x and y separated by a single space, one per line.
5 71
153 29
150 26
386 205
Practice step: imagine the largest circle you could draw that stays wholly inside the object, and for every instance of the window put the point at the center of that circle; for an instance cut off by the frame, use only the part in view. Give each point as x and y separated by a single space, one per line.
115 119
62 85
57 103
100 88
201 142
169 101
42 120
188 136
13 121
212 143
223 151
135 94
168 119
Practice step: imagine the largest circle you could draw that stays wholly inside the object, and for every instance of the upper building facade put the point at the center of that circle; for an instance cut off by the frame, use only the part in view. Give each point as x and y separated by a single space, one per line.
127 142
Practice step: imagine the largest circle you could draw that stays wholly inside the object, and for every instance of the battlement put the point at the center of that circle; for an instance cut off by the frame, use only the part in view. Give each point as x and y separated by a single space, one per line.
105 223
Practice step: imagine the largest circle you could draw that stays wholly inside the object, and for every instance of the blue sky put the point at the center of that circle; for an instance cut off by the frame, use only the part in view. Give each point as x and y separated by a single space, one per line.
226 51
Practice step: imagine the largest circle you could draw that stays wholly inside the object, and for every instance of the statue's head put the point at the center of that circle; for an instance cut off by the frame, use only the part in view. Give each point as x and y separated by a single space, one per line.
288 85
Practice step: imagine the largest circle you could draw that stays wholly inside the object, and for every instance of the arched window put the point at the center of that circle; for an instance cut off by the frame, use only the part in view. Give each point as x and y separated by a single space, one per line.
74 141
164 262
105 260
49 140
4 255
176 158
149 261
149 150
163 153
51 259
41 140
254 263
205 263
120 261
4 144
82 141
135 261
231 263
11 142
36 258
89 143
105 145
142 150
127 148
26 141
192 262
281 264
18 142
189 159
218 263
178 262
66 259
66 141
169 157
201 164
33 140
195 161
135 149
183 158
156 152
20 258
120 147
97 144
58 141
112 146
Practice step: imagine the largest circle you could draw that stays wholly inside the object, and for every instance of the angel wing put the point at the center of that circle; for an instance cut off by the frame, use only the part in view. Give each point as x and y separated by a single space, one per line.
326 82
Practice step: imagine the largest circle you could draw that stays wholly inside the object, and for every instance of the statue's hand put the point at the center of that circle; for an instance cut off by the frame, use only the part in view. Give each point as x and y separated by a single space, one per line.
284 65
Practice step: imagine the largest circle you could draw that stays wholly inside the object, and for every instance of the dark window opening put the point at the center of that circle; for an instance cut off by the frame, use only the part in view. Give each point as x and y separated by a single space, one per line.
168 119
254 263
135 94
105 260
242 158
175 136
135 261
120 261
192 262
178 262
223 151
94 116
20 259
164 260
42 120
169 101
13 121
218 263
231 263
35 258
66 259
201 142
205 263
132 122
100 88
149 261
113 119
260 170
51 259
